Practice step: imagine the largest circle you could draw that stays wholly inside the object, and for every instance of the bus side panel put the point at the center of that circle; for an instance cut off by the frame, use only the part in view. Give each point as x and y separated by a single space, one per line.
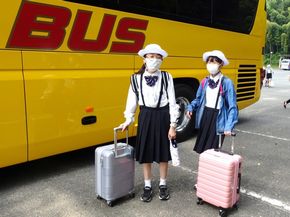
63 88
13 141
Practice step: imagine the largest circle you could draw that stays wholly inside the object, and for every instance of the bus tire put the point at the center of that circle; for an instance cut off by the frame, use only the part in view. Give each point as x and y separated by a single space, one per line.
185 127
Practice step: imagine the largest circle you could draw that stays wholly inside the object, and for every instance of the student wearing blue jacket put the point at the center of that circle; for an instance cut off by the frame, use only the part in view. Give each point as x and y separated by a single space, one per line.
215 104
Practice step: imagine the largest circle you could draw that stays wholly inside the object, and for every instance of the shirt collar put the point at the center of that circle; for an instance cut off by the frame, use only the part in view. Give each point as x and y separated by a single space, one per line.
217 77
152 74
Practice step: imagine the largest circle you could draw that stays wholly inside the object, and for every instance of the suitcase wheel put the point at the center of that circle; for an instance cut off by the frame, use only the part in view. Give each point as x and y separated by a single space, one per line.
199 201
223 213
110 203
132 195
236 206
99 198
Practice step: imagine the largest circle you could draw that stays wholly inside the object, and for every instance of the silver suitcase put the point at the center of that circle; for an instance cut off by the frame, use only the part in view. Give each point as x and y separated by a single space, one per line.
114 170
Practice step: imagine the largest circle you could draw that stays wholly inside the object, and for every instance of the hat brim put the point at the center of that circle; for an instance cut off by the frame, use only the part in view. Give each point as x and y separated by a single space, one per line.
145 51
217 54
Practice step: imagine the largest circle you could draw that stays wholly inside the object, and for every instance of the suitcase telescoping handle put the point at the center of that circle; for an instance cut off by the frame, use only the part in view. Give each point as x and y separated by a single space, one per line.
116 129
233 135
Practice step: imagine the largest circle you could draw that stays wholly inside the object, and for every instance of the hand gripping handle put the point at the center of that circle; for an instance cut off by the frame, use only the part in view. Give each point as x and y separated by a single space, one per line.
233 135
116 129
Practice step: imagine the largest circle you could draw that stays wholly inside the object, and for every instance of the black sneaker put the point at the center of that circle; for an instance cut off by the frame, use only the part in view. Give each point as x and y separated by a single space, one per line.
163 192
147 194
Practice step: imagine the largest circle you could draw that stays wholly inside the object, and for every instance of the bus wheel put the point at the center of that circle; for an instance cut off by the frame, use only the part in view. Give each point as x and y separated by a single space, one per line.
185 127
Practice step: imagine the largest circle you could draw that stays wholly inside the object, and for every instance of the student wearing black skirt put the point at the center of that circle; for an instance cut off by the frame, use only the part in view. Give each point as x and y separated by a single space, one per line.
153 91
269 75
215 104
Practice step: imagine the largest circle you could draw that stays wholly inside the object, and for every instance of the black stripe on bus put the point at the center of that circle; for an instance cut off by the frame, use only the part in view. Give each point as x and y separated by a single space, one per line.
247 66
240 85
247 75
222 14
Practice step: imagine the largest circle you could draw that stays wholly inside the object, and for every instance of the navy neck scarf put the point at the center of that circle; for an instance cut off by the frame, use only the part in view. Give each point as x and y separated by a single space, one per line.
151 80
213 84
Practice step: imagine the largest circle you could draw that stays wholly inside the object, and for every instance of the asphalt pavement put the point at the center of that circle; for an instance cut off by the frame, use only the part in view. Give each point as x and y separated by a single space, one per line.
63 185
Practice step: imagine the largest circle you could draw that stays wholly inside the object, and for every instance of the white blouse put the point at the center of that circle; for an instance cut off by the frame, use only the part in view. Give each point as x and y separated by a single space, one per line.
151 97
211 94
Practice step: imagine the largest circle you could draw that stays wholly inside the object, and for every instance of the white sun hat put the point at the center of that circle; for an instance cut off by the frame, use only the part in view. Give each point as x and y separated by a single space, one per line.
152 48
215 53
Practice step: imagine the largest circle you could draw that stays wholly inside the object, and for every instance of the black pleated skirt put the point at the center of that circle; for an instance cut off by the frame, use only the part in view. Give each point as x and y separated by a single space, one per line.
207 137
152 144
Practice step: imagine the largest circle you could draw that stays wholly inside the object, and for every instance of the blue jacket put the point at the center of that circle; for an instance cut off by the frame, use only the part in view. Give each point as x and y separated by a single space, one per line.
228 113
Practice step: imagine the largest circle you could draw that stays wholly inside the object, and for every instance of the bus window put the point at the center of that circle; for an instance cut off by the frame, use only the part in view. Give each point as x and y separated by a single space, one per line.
227 14
221 14
198 11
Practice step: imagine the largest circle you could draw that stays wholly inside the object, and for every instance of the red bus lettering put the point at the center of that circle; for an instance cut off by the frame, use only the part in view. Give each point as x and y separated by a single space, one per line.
53 23
124 32
77 39
43 26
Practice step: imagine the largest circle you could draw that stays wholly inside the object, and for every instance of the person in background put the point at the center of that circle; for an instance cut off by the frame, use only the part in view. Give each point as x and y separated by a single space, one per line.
263 75
285 103
269 75
153 90
215 104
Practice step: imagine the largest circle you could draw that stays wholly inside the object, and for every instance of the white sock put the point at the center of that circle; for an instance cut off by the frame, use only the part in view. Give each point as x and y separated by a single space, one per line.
147 183
162 182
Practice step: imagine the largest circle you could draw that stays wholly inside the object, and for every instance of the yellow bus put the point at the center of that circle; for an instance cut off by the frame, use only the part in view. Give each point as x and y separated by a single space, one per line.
65 64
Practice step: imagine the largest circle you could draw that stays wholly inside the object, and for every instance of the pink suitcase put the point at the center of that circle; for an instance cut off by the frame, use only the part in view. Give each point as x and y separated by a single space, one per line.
219 179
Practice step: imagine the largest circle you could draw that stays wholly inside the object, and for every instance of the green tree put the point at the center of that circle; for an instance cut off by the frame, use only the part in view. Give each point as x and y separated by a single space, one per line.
278 28
281 19
274 31
284 43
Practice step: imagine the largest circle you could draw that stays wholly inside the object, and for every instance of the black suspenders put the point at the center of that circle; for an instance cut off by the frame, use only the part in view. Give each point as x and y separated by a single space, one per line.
163 78
160 94
141 89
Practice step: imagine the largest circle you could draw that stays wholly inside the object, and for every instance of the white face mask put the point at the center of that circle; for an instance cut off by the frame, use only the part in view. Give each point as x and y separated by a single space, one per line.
152 64
212 68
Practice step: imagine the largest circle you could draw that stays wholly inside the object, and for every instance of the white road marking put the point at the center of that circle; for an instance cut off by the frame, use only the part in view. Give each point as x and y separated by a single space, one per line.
265 135
187 169
269 98
268 200
271 201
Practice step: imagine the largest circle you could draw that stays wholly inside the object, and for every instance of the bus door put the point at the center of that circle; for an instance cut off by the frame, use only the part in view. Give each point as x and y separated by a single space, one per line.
13 139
